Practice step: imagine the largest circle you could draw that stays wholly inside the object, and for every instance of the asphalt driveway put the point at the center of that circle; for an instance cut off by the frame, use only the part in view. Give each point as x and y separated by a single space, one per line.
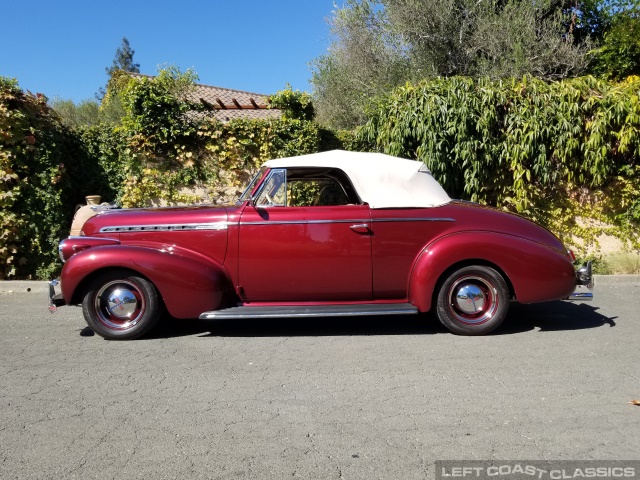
363 398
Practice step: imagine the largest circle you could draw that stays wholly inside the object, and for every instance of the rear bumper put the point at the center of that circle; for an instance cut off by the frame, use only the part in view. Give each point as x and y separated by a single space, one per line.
55 299
584 284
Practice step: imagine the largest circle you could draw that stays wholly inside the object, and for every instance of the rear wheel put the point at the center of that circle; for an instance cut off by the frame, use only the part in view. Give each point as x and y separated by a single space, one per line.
120 305
473 301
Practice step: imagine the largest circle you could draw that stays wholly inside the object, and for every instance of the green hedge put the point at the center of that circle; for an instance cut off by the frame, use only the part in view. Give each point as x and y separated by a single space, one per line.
562 153
46 169
42 165
166 143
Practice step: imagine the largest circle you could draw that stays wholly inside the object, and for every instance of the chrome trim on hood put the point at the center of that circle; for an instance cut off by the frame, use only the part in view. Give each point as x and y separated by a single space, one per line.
178 227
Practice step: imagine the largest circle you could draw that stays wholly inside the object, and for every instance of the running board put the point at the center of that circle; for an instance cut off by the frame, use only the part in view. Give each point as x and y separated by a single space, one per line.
312 311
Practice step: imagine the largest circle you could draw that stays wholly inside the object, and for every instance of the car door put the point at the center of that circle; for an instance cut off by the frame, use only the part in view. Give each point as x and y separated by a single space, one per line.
400 235
303 253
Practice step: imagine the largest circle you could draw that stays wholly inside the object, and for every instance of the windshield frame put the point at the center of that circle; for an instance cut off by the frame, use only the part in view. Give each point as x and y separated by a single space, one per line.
252 187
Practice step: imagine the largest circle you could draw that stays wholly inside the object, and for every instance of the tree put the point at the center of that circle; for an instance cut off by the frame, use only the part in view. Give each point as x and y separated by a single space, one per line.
618 54
123 59
380 44
85 113
365 59
122 62
293 105
110 99
107 106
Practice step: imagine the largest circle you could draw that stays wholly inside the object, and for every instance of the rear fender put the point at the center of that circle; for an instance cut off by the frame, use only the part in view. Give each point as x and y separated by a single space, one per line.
187 286
537 273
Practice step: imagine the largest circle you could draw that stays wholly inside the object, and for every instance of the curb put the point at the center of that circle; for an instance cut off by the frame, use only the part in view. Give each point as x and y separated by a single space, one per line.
23 286
41 286
612 280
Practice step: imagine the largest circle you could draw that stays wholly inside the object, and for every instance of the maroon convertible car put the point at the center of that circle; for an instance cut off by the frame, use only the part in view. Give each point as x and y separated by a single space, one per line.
327 234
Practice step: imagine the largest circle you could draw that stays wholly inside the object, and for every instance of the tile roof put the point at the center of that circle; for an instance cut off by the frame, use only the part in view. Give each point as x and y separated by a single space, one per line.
227 104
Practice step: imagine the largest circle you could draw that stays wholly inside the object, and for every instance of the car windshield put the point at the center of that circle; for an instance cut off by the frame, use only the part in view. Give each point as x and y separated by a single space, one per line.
246 195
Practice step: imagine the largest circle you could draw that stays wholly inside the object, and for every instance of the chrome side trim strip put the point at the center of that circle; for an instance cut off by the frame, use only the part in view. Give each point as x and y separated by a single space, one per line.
352 220
421 219
209 316
311 311
304 222
224 225
178 227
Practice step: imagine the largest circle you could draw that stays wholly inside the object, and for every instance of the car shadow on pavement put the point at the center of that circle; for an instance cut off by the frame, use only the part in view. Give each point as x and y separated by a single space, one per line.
553 316
550 316
309 326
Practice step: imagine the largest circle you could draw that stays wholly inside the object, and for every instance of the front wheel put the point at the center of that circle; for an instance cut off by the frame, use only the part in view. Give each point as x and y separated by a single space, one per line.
120 305
473 301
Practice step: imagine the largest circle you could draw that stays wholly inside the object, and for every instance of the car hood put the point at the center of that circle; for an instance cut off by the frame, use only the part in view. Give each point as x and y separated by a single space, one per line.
116 221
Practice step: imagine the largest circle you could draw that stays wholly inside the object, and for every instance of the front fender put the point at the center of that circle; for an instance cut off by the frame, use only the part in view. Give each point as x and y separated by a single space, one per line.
187 286
536 272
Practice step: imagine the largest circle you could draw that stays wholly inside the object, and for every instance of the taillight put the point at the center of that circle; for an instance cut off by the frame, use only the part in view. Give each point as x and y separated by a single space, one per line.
572 255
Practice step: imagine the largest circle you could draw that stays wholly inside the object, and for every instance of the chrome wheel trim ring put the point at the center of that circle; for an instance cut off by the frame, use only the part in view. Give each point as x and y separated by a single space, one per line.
119 305
472 300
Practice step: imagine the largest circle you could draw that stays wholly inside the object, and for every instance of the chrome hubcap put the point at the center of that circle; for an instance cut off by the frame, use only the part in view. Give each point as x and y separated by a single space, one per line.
473 300
119 305
122 303
470 299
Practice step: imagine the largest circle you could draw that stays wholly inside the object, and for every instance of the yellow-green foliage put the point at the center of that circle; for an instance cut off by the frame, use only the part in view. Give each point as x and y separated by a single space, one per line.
162 144
564 154
556 152
293 105
41 165
171 144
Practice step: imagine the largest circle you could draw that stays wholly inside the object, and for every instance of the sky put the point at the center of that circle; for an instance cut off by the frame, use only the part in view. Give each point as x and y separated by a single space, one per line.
61 48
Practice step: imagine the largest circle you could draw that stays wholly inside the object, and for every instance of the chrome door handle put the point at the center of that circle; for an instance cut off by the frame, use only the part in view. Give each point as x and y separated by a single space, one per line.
360 228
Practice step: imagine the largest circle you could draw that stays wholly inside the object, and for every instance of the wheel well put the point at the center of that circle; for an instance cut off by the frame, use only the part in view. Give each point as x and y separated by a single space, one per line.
469 263
82 287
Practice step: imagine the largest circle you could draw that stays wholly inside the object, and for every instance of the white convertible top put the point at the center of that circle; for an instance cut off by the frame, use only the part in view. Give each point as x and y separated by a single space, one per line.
381 180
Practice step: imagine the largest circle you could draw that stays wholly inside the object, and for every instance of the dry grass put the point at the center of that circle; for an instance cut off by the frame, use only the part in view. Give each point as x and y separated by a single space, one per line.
623 263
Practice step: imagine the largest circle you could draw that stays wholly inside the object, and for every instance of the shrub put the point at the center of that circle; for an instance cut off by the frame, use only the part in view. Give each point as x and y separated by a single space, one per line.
171 144
37 191
294 105
553 151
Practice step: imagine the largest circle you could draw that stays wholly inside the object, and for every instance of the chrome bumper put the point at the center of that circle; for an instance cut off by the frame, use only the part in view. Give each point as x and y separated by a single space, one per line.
55 300
584 284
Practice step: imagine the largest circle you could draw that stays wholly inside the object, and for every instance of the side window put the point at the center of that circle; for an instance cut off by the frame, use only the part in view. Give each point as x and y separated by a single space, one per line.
304 188
315 192
274 192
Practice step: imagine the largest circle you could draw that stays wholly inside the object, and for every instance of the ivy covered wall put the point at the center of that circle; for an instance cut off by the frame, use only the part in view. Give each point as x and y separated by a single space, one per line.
164 151
42 166
564 154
